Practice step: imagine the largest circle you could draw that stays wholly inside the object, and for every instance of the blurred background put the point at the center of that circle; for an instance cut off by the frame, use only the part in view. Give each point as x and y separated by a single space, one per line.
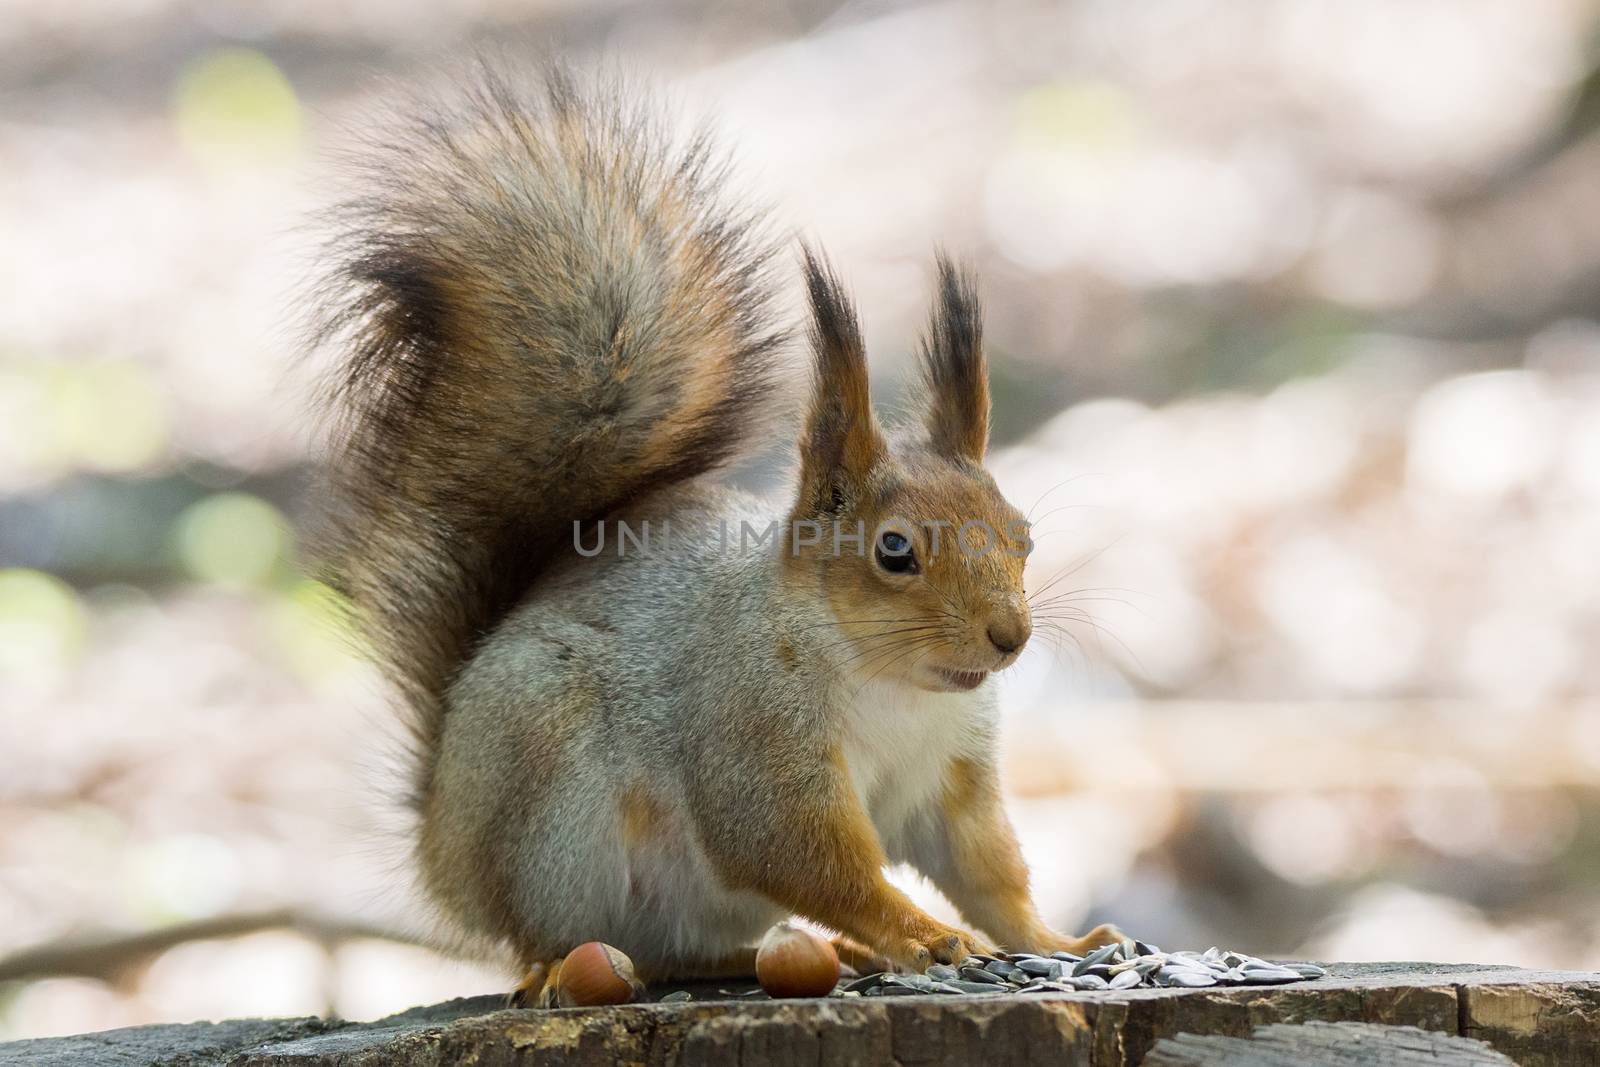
1295 328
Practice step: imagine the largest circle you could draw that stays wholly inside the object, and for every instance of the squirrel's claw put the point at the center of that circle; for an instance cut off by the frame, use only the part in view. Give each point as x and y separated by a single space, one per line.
535 990
946 945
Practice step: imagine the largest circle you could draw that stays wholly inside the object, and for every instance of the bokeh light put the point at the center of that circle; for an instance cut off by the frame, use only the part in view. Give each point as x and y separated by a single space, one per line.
42 623
233 106
233 539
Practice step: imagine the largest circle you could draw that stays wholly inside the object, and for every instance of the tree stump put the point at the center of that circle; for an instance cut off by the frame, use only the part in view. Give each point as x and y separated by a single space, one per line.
1531 1018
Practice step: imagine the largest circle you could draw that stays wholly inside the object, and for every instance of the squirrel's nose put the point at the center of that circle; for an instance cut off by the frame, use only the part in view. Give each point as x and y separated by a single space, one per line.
1009 635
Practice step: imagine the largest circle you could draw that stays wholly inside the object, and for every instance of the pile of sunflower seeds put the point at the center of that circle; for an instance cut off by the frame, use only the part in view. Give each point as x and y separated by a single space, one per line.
1128 965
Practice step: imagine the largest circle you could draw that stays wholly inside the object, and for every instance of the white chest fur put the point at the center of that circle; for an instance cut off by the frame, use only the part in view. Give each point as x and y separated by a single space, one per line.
899 743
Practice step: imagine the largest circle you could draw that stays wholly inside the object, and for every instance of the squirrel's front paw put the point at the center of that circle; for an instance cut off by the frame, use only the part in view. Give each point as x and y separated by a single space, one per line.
939 944
1050 941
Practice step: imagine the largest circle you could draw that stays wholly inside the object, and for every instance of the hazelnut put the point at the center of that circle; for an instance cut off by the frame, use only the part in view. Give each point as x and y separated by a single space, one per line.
595 974
795 963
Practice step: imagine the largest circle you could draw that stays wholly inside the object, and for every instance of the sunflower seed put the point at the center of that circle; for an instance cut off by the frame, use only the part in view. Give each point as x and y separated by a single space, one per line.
1192 979
866 982
978 974
676 997
1099 955
1270 975
1127 964
1037 967
1127 980
999 967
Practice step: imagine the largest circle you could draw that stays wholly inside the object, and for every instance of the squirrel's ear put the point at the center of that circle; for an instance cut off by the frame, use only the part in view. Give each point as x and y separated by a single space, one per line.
842 441
954 371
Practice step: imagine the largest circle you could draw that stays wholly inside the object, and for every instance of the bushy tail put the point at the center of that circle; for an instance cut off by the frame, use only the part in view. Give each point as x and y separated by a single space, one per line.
546 311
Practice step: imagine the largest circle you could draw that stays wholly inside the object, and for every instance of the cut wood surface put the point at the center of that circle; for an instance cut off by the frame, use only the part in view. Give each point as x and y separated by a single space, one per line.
1533 1018
1326 1045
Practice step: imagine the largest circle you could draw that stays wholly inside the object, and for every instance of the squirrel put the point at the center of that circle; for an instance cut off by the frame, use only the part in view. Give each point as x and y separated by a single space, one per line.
552 317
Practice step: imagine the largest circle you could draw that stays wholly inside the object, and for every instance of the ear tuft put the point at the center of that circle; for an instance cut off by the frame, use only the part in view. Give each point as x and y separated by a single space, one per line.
955 372
835 332
842 441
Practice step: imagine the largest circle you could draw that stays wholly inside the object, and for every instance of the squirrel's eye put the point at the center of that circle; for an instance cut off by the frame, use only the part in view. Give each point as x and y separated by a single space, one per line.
893 553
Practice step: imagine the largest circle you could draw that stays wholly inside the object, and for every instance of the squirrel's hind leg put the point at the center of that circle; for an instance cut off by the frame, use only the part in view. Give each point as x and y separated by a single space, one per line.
541 982
593 974
537 987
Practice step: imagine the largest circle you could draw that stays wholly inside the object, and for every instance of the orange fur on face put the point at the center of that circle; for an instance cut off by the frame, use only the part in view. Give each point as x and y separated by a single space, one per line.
970 547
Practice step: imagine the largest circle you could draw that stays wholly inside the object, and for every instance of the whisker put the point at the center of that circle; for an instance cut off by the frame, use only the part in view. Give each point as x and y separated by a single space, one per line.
1100 631
1073 569
868 647
881 664
1108 589
1053 488
1067 598
879 659
860 622
892 646
1063 507
880 636
1056 634
927 646
950 602
926 652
